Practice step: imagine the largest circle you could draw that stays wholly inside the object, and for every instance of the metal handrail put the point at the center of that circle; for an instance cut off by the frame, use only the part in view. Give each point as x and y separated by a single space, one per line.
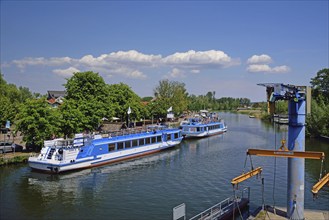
216 210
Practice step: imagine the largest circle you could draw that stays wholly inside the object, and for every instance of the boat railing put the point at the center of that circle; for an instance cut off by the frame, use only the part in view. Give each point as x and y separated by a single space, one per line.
122 132
218 209
130 131
56 143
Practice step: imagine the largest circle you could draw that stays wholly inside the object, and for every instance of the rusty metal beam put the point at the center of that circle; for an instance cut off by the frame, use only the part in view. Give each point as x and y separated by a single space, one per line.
246 176
289 154
320 184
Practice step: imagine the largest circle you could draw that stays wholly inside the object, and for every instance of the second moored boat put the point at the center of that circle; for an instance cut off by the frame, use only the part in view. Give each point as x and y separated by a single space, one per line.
200 127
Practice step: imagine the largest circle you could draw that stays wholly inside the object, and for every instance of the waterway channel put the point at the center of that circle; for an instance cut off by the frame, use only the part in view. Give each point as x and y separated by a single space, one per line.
197 172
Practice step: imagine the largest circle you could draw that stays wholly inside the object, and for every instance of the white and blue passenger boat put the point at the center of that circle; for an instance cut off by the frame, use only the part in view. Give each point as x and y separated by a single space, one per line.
86 151
200 127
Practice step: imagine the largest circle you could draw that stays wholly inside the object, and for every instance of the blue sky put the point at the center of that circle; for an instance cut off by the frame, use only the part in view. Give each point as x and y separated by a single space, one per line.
222 46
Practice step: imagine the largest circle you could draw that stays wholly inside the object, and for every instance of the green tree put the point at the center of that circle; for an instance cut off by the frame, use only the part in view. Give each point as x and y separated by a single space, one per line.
72 119
123 97
86 86
147 99
194 103
170 94
25 93
10 99
38 122
89 95
318 120
320 85
281 107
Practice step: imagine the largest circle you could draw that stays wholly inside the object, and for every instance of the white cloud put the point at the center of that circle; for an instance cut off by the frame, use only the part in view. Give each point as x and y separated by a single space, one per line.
131 64
126 72
176 73
136 74
121 58
34 61
134 56
195 71
66 72
257 59
254 68
180 73
264 68
88 60
201 59
259 64
281 69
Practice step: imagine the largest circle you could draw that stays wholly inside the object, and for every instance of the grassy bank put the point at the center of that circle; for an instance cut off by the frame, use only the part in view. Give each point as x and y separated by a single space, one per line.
252 112
14 158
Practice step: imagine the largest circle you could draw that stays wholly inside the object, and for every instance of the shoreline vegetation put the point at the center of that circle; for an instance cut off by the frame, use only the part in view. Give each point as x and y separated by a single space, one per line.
14 158
257 113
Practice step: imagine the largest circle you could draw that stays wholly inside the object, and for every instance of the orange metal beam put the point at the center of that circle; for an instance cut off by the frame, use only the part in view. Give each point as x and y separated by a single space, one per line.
290 154
246 176
320 184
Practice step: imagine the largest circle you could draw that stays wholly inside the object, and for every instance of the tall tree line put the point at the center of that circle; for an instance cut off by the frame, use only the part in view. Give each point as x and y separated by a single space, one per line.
209 101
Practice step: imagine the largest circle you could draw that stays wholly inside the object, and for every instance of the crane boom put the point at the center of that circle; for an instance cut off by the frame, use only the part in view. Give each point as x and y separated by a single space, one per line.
289 154
246 176
320 184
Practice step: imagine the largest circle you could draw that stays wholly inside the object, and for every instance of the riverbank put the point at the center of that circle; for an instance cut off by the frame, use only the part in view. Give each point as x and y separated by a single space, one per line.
14 158
257 113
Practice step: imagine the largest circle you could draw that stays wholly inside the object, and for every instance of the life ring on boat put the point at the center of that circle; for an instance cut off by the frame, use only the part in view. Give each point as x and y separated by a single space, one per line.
60 150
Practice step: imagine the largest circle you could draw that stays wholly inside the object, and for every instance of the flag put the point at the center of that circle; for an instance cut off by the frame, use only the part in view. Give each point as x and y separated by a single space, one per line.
169 109
8 124
129 110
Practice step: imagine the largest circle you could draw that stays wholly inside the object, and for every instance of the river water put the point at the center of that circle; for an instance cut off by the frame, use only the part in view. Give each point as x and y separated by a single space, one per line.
197 172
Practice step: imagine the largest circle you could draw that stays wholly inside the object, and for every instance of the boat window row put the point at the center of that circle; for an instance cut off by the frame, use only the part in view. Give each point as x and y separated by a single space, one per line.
135 143
212 127
193 129
199 129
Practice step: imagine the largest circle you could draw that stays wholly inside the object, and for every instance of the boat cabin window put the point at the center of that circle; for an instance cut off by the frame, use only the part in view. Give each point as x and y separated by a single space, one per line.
134 143
168 137
153 139
158 138
198 129
176 135
127 144
147 141
120 145
111 147
142 142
